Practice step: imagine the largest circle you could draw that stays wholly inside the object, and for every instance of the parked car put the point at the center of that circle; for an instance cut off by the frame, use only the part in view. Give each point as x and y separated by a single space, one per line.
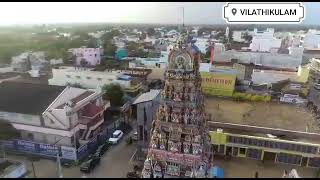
102 149
116 136
89 165
66 164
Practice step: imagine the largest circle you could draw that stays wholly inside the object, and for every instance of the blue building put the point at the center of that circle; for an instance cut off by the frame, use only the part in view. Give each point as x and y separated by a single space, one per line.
121 53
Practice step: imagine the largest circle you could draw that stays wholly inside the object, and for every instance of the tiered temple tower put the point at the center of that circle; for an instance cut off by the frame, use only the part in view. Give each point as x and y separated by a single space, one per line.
179 145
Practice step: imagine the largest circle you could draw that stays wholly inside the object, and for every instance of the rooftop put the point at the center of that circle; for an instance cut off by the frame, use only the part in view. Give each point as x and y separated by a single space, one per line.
77 99
27 98
260 114
148 96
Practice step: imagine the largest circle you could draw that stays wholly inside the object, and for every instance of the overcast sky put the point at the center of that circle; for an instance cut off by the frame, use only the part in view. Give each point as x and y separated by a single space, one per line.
123 12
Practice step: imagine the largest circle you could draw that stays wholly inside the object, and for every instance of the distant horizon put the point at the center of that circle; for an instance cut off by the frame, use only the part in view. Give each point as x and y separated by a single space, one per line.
164 24
195 13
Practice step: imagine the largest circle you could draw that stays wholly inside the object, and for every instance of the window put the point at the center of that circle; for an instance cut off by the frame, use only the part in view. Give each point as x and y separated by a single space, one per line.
88 77
68 76
78 77
242 151
116 135
30 136
99 79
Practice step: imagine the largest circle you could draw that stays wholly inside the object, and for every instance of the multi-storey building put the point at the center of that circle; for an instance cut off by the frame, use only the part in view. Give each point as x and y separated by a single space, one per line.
87 78
179 144
47 114
264 41
87 56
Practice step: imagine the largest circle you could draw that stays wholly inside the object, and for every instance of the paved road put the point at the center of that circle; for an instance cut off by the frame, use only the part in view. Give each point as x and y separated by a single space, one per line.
114 163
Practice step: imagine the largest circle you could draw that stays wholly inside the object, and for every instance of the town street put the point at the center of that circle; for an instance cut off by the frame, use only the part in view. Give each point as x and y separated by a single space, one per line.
114 163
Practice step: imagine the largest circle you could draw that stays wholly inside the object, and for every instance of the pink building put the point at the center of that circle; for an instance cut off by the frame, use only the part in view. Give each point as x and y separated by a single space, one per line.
92 56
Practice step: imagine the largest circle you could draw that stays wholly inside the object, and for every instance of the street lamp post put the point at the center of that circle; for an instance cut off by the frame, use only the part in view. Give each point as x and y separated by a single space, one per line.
58 160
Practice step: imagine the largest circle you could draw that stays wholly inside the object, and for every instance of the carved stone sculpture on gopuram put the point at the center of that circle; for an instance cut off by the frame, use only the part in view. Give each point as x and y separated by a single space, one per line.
180 144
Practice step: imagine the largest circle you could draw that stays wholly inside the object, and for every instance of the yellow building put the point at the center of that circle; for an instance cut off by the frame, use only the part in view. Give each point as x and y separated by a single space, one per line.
303 74
294 152
218 84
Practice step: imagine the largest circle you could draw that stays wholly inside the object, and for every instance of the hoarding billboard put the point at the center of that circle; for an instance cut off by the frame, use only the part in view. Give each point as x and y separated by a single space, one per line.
218 84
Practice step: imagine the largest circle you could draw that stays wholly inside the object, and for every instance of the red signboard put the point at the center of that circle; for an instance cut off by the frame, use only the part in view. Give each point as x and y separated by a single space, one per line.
174 157
190 160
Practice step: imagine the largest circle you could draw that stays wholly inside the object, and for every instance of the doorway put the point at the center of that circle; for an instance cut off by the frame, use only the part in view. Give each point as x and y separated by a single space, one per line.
269 156
304 161
229 151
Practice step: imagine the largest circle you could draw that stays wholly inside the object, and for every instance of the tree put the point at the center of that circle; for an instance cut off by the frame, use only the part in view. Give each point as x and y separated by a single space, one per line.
141 53
109 35
247 37
8 131
132 46
143 36
151 31
114 93
109 48
92 43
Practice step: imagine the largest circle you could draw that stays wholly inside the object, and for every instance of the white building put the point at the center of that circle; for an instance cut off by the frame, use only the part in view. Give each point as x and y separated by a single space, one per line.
202 44
151 62
133 38
264 41
28 60
172 32
151 39
86 77
312 39
56 61
79 108
237 36
97 34
52 114
119 42
292 60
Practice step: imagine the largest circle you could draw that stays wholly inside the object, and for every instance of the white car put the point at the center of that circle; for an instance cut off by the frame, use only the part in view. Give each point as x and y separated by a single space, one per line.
116 136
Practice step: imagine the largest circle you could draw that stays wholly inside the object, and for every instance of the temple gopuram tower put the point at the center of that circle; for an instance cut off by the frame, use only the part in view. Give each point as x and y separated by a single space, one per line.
179 145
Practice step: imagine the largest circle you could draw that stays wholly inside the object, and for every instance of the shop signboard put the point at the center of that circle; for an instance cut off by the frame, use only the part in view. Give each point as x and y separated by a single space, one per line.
48 149
25 146
68 153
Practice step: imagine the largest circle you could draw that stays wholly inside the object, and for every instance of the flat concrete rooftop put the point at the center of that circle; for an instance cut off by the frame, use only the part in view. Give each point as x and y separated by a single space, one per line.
260 114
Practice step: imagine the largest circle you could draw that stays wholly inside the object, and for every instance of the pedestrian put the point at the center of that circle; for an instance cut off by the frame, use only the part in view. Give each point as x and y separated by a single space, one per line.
285 173
256 175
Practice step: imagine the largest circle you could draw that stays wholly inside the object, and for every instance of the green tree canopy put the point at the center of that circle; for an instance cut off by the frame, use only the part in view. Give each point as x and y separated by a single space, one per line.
109 35
109 48
151 31
8 131
92 43
132 46
114 93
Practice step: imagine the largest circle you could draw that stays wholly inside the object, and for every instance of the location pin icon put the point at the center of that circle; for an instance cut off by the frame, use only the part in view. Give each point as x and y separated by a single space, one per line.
234 11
